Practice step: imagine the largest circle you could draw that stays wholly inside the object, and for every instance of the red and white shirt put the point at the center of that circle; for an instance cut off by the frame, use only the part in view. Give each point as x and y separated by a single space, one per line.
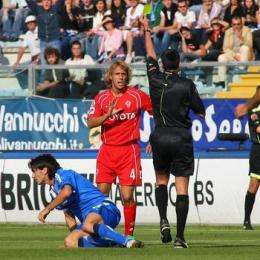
124 127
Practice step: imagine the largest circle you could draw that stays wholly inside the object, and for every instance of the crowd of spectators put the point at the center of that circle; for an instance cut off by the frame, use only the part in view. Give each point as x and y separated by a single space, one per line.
88 32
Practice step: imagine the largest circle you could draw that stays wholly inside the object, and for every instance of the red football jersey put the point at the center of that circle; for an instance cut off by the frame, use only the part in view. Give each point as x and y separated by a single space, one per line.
123 127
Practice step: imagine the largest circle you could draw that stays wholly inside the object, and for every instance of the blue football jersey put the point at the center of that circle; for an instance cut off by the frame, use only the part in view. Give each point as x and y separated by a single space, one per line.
84 195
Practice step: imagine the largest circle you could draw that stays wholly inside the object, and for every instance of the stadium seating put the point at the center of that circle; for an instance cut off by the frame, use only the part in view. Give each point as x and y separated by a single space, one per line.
245 88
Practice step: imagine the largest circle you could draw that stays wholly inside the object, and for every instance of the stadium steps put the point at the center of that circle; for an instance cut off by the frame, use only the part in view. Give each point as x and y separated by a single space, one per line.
246 87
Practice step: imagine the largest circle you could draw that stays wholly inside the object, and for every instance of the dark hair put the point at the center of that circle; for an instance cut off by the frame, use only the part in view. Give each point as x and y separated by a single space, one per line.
42 161
181 1
170 60
76 42
236 17
105 5
50 51
121 10
185 28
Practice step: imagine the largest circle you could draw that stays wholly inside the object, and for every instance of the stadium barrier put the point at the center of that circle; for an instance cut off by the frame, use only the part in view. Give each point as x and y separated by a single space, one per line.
22 80
217 188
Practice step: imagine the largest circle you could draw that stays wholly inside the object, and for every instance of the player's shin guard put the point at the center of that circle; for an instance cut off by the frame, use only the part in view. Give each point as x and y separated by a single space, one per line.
182 208
129 214
161 198
106 232
249 203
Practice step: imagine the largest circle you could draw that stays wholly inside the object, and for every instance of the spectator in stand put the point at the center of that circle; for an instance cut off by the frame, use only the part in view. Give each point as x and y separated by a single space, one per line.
162 38
213 48
192 48
250 9
78 77
209 10
54 85
111 44
256 37
92 41
238 46
214 44
17 9
28 40
132 30
118 12
184 17
49 29
69 29
84 13
234 9
152 11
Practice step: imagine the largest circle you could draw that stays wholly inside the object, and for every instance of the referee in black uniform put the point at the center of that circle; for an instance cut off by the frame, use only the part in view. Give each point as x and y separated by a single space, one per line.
172 146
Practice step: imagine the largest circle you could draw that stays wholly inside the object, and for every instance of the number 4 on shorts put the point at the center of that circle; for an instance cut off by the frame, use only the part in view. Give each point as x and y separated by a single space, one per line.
132 174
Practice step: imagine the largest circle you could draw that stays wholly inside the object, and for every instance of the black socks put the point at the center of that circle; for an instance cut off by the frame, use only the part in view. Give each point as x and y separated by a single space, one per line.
161 198
249 203
182 208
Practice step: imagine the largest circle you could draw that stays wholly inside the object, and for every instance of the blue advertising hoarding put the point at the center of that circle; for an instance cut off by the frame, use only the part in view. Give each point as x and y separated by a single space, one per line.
46 124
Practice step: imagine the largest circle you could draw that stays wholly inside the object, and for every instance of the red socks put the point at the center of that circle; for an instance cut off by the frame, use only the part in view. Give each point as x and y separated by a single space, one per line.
129 213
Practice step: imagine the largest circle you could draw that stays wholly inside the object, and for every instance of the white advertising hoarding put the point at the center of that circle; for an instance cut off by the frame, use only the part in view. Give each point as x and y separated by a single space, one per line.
217 192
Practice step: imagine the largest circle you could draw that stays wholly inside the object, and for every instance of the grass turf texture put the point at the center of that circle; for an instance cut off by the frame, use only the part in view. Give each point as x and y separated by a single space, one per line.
206 242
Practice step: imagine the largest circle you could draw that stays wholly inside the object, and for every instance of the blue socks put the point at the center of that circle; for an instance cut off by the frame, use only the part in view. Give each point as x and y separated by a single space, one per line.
106 232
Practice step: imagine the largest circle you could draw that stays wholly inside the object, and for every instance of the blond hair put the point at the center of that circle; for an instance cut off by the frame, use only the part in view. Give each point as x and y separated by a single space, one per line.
123 65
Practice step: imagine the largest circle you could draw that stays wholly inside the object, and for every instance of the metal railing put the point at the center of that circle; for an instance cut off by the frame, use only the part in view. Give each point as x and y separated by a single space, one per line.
197 71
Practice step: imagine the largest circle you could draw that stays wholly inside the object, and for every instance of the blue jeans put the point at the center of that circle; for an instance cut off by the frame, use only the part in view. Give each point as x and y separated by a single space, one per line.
91 45
16 28
163 42
22 76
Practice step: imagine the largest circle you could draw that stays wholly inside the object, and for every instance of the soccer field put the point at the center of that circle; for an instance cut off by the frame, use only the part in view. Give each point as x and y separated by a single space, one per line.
206 242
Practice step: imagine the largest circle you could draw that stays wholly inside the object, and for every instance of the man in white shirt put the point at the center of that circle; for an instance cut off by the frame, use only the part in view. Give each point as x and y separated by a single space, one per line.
28 40
78 76
184 17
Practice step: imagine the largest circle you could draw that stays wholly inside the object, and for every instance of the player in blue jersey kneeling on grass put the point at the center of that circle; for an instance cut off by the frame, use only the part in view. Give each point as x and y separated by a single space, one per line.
79 198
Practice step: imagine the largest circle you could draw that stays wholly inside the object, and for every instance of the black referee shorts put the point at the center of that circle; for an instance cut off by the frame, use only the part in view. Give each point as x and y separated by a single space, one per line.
254 161
173 151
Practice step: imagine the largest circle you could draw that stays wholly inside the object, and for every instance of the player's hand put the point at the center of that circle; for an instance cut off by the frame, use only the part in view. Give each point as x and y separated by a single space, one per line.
240 110
112 110
148 149
258 129
43 214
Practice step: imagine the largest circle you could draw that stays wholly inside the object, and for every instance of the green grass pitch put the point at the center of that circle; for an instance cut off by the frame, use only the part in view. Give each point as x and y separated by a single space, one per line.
206 242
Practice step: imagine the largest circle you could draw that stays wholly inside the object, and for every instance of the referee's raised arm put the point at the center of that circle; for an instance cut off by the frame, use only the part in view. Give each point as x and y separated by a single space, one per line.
148 40
151 61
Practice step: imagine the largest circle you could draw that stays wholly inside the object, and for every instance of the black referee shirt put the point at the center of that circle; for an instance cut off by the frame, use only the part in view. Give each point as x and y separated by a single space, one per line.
172 97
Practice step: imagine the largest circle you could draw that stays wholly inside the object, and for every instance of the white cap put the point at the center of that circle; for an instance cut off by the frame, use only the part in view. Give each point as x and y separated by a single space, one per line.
30 18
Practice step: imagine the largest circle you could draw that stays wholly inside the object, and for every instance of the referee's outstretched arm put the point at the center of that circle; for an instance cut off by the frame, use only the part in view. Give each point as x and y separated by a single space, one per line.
150 52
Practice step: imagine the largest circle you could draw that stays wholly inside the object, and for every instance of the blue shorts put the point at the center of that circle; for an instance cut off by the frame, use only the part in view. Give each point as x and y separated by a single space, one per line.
108 211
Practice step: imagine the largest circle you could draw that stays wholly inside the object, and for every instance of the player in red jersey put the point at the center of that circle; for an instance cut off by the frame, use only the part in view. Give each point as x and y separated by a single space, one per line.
118 111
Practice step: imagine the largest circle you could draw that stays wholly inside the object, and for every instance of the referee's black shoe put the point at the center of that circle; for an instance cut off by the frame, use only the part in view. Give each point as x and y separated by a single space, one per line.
165 231
179 243
247 225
